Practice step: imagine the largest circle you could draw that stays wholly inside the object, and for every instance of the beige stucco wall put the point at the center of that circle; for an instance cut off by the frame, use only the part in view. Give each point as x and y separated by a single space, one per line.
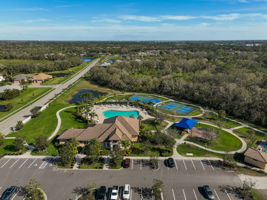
256 163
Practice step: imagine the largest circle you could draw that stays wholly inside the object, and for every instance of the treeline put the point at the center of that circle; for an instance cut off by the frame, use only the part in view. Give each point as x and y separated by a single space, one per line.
222 78
12 67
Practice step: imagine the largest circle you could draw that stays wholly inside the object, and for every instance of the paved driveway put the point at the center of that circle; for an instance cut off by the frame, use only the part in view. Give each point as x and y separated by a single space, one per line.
7 124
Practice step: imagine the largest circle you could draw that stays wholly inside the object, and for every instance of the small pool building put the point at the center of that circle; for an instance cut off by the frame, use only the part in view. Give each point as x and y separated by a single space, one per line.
186 124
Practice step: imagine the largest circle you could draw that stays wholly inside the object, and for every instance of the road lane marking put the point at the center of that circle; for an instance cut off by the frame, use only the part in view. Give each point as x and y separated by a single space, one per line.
202 165
184 165
14 163
184 194
228 195
23 163
193 165
176 166
195 194
5 163
32 163
216 195
173 194
211 165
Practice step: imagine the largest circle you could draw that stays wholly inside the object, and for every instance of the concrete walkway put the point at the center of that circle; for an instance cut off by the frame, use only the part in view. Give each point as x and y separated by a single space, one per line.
59 121
7 124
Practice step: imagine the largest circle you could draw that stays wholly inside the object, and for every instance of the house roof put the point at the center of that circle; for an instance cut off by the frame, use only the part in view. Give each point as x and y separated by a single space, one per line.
21 77
256 155
115 128
186 123
41 77
10 87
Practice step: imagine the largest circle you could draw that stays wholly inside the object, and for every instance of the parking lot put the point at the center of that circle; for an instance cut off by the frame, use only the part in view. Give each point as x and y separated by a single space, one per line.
181 182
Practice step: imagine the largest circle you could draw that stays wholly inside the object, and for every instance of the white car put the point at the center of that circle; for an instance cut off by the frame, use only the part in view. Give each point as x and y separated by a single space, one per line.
126 194
114 193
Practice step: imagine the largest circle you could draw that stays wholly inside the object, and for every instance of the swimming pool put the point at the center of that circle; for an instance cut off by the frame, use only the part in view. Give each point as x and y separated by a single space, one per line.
115 113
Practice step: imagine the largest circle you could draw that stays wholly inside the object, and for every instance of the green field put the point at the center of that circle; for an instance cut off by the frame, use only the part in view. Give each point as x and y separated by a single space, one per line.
224 141
183 149
24 98
7 147
250 136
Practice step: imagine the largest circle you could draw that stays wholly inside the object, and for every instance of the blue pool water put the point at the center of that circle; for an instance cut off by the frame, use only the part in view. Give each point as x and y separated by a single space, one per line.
115 113
86 59
265 151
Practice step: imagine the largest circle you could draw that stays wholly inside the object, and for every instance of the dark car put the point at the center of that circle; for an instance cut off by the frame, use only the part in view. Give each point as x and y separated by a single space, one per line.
170 162
208 192
9 193
101 193
126 163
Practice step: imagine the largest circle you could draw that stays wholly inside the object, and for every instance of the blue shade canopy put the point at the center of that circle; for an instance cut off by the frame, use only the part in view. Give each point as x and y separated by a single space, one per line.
186 123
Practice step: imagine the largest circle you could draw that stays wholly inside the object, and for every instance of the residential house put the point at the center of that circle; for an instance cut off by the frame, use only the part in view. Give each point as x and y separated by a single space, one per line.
256 157
21 78
110 133
10 87
2 78
40 78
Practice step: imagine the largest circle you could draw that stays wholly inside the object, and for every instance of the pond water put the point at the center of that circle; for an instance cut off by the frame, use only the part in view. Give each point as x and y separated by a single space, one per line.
59 74
2 108
86 59
78 96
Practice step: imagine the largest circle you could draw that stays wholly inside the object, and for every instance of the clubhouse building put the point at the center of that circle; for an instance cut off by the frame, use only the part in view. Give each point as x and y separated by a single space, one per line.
110 133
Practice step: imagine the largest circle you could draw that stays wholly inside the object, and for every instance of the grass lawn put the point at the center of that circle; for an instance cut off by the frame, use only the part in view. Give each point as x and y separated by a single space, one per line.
250 136
69 73
152 125
51 150
86 164
25 97
8 148
224 141
183 149
259 195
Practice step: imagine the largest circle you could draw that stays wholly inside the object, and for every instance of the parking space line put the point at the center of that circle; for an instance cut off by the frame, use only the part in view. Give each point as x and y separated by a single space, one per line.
228 195
202 165
15 195
161 194
173 194
32 163
195 194
184 165
0 188
44 163
14 163
141 162
193 164
23 163
132 161
211 165
5 163
184 194
216 195
176 166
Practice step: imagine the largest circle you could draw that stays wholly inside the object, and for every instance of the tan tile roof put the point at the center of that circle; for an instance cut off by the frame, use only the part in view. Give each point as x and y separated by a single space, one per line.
115 128
41 77
257 155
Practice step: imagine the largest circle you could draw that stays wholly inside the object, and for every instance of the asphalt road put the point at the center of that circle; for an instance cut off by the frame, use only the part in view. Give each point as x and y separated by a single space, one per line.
180 183
7 124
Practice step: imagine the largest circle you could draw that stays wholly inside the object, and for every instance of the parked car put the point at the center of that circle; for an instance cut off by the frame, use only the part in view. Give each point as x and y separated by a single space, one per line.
208 192
114 193
126 193
170 162
126 163
9 193
101 193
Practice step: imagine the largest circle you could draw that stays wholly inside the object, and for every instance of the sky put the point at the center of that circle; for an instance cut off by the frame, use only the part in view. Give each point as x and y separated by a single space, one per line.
137 20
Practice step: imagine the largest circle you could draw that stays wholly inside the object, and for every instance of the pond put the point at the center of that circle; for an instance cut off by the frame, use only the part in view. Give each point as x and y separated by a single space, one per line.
59 74
2 108
86 59
78 96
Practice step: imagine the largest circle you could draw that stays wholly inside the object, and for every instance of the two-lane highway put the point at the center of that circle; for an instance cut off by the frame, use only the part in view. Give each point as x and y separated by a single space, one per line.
7 124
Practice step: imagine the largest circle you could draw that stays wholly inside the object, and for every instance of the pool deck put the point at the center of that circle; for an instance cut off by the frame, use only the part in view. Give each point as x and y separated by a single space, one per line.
99 109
